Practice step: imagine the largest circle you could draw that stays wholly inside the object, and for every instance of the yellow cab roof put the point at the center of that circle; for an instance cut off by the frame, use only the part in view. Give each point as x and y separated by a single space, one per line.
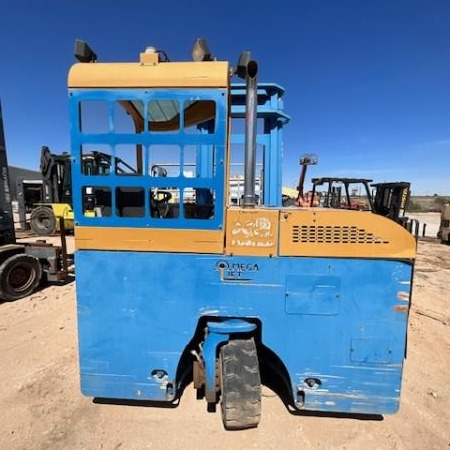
207 74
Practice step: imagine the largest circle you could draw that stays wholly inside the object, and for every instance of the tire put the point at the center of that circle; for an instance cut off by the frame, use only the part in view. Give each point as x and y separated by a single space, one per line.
240 385
20 275
43 221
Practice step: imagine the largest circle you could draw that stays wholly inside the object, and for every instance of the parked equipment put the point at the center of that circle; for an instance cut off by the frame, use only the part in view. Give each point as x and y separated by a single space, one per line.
444 228
57 194
391 200
23 266
227 297
305 161
57 188
344 193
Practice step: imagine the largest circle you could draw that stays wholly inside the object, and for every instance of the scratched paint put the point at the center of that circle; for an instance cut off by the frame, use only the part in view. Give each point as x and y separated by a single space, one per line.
253 233
402 295
400 308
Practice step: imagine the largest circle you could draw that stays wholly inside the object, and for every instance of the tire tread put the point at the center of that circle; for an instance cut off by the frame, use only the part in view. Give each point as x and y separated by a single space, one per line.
241 385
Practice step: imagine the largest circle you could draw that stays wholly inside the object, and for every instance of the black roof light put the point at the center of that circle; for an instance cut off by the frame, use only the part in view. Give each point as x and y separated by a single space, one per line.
83 52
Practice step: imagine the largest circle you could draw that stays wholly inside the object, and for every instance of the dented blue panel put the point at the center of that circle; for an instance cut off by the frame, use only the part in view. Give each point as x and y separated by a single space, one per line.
337 321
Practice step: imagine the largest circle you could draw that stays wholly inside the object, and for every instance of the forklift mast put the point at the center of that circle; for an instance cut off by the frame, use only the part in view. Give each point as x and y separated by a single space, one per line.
391 200
56 173
7 233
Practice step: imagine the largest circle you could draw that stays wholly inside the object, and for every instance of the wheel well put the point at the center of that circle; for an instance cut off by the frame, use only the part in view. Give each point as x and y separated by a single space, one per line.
273 372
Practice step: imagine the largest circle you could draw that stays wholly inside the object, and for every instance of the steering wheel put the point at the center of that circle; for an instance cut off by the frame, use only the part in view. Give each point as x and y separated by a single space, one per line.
159 202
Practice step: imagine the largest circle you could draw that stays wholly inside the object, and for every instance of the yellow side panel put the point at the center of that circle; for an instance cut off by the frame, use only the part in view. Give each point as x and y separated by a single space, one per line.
136 75
152 240
342 233
252 232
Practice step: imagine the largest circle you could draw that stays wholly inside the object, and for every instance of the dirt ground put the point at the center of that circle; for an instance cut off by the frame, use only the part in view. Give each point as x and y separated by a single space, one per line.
41 406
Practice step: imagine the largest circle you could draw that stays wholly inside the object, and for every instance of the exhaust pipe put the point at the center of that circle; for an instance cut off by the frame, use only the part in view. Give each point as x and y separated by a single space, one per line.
251 103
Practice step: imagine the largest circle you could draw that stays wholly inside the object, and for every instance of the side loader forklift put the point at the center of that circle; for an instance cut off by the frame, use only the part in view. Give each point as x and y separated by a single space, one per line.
224 297
23 266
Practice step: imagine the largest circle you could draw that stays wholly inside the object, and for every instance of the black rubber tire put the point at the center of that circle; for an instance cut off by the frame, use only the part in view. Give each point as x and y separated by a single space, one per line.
43 221
240 385
20 275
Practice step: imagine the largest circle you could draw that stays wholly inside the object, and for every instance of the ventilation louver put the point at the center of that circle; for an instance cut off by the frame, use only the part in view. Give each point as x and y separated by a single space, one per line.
333 234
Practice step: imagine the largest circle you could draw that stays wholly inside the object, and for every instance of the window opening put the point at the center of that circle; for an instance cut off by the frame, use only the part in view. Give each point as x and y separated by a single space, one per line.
95 159
164 160
96 201
164 202
198 203
128 116
163 115
130 202
128 159
94 116
199 116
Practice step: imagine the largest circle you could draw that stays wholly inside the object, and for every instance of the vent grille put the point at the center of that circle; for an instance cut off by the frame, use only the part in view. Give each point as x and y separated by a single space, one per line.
320 234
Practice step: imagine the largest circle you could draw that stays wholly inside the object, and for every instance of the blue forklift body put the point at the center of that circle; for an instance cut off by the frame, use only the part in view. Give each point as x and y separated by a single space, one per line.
165 282
331 320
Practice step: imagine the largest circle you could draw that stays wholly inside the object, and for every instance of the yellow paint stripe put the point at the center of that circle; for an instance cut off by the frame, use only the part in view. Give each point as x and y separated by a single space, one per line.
146 239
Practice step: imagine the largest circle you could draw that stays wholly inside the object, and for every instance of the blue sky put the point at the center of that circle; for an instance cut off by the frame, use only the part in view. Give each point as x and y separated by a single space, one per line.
367 81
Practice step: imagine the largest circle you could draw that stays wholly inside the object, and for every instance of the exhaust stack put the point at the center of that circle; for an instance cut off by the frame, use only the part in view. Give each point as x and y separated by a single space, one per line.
251 103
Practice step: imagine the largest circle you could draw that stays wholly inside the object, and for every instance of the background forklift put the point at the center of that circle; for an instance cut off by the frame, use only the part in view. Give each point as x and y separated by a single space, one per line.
389 199
56 201
23 266
344 193
56 194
